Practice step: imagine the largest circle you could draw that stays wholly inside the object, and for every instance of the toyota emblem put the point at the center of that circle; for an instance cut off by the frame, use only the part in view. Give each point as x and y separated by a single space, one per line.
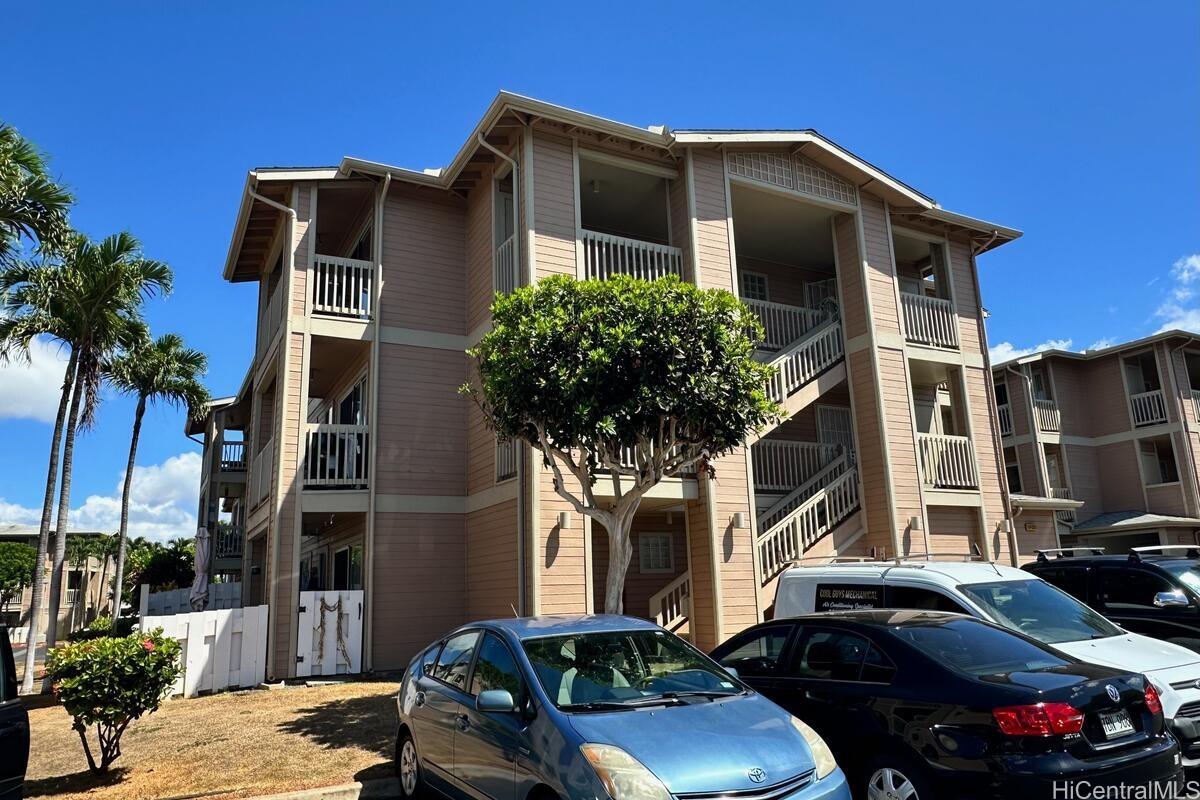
1113 694
758 774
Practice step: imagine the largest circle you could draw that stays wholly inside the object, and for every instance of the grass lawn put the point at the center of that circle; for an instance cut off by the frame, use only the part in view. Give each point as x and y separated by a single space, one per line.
242 743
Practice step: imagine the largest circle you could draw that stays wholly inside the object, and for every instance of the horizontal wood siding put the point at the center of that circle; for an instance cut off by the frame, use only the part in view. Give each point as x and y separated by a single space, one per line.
1166 499
905 473
1120 477
1104 406
966 300
714 269
1031 472
681 224
639 586
953 529
480 248
881 276
871 464
491 561
700 550
850 278
419 585
561 557
986 438
1043 536
735 551
424 258
1085 480
553 205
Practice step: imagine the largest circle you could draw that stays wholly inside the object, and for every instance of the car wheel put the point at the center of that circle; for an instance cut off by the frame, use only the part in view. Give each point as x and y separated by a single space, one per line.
408 768
894 778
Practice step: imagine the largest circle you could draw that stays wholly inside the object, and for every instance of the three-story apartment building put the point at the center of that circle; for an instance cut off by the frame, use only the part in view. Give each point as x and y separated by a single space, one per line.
364 469
1115 430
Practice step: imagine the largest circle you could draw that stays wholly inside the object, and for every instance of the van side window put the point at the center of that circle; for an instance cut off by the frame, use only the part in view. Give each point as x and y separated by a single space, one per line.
923 599
1127 589
1072 580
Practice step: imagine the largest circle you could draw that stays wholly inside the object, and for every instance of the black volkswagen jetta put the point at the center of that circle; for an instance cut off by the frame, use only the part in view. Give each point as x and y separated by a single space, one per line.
918 705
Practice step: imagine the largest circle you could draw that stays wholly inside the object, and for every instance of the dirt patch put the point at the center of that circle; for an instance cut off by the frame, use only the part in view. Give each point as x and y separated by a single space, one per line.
237 744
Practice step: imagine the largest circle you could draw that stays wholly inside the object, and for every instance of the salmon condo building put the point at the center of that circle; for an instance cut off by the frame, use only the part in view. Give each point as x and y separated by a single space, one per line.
348 463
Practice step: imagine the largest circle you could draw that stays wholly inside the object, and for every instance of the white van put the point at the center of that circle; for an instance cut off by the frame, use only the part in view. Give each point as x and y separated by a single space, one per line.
1013 598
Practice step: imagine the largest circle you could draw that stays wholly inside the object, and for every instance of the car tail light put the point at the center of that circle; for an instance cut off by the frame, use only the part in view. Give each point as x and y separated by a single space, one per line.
1153 702
1042 719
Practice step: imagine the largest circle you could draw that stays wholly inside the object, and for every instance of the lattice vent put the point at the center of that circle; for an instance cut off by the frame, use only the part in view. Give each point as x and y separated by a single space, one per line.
774 168
816 180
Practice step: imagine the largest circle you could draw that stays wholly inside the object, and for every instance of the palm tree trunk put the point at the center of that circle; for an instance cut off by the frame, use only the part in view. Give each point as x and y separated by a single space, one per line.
39 572
61 521
122 534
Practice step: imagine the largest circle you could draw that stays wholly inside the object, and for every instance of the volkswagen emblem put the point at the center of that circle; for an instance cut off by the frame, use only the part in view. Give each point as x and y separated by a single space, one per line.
758 774
1113 694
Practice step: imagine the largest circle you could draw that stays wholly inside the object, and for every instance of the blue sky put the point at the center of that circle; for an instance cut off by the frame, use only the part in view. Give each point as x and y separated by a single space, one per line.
1076 122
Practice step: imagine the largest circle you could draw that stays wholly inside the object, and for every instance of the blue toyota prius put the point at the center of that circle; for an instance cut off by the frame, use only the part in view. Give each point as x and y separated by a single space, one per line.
594 707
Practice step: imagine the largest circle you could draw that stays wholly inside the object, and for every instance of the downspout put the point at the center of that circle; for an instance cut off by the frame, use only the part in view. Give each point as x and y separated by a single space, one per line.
368 655
272 609
522 477
1043 476
1187 432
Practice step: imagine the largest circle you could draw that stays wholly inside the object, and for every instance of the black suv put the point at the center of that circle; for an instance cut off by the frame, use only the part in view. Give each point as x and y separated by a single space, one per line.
1154 591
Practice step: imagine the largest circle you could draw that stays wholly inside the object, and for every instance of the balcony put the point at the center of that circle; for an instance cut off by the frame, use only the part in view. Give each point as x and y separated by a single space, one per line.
233 457
342 287
605 255
947 462
227 542
268 326
336 456
506 460
1196 402
262 469
1005 414
929 320
1148 408
1048 417
783 323
782 465
1062 493
504 267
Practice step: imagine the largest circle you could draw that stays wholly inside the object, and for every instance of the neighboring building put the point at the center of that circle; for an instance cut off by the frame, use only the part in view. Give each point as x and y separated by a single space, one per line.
83 597
1114 429
364 469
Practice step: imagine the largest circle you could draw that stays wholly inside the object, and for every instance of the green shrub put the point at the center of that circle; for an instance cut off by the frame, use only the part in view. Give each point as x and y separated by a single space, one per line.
110 681
104 626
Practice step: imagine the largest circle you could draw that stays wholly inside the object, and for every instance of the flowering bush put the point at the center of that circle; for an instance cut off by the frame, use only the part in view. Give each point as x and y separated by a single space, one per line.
109 682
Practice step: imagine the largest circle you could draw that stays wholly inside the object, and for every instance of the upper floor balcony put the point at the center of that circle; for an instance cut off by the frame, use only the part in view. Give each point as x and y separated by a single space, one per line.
1049 418
342 287
336 456
946 453
1148 408
605 255
947 462
929 320
1004 412
926 296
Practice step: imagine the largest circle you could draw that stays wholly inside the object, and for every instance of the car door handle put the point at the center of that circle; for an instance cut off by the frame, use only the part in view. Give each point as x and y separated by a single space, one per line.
420 701
463 721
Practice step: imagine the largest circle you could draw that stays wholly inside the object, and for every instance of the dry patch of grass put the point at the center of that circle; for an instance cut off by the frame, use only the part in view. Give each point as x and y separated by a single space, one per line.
239 744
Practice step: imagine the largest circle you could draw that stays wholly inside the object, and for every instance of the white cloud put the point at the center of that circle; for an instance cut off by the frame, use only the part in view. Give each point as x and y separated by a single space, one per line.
30 390
1006 351
1176 310
162 505
1102 344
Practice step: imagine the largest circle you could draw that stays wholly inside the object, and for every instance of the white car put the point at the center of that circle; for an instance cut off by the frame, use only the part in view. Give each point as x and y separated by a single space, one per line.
1013 598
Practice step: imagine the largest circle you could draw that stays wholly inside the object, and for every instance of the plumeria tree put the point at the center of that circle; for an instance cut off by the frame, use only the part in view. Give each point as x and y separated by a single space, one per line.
623 380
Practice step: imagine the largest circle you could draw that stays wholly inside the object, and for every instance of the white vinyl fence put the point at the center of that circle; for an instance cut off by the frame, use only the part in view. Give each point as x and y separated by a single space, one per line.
223 649
329 639
179 601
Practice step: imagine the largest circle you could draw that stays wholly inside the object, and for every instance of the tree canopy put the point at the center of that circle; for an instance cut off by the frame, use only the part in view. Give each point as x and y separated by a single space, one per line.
17 564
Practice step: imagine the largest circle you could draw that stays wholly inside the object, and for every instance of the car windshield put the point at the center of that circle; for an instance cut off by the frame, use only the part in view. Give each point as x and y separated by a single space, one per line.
1039 610
1188 573
976 648
622 669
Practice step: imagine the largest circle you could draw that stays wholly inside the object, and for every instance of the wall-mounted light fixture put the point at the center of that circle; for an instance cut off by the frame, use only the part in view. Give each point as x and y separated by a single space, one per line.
564 520
915 523
739 519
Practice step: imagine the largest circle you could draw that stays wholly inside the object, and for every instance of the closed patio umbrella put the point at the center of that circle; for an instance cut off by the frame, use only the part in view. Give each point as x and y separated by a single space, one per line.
199 594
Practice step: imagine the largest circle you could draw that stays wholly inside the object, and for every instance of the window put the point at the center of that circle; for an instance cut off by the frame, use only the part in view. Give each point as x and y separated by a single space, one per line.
758 652
495 668
877 667
1129 589
923 599
1072 580
754 286
1158 460
977 649
1037 609
1001 393
455 659
829 655
655 552
312 572
1013 472
347 568
429 658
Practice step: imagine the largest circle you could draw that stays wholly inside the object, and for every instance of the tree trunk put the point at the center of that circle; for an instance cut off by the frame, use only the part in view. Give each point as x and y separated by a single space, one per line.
39 572
61 522
620 552
122 534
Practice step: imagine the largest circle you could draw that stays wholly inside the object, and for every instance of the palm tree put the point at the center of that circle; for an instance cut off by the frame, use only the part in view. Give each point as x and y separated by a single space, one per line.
32 206
163 370
89 300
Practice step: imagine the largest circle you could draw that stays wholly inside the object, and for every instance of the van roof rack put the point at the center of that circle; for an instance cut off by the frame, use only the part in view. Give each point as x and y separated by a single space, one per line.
1189 551
1066 552
917 560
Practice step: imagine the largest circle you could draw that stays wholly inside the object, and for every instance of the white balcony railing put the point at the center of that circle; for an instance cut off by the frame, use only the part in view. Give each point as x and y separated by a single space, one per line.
805 361
605 255
785 541
233 456
1004 411
1148 407
1196 402
227 542
342 287
781 466
1062 493
262 470
506 460
1048 416
268 325
336 455
784 324
929 320
947 462
671 606
504 267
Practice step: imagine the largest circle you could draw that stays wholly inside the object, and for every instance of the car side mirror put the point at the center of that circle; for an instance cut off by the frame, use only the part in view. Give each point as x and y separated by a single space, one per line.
499 701
427 670
1171 600
733 673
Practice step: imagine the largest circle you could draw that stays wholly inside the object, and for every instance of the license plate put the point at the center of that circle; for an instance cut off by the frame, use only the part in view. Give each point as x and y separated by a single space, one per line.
1116 724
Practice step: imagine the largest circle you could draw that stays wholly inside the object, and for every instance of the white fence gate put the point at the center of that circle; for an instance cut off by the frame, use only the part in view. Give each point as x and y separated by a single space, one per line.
179 601
222 649
329 637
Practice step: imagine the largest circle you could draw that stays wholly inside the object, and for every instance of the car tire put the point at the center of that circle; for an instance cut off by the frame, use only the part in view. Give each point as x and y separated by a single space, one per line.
408 767
895 777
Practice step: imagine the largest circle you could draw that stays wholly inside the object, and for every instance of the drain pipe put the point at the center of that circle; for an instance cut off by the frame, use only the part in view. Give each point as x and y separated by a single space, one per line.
522 471
1187 432
1043 475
